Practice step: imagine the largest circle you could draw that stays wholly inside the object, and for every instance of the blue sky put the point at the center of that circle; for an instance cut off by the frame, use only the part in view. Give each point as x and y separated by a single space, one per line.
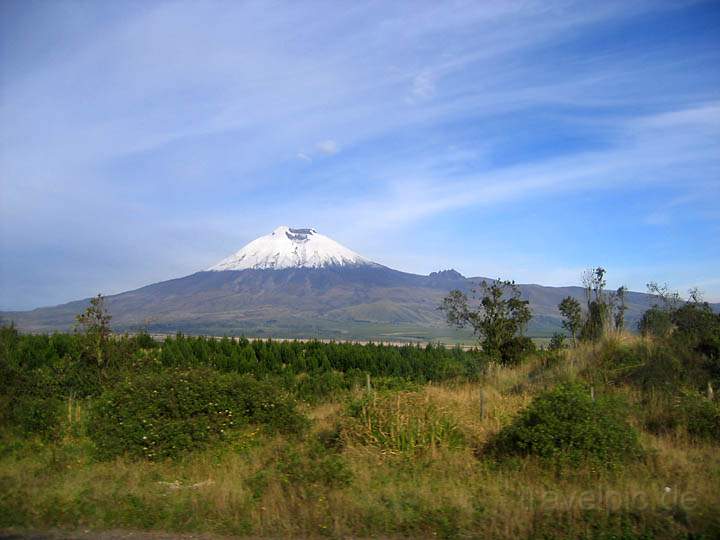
141 141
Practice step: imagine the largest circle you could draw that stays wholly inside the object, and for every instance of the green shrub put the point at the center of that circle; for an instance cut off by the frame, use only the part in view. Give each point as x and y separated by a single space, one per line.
595 325
30 403
659 412
613 361
697 328
161 415
651 367
315 387
656 322
687 411
701 416
656 366
567 426
515 350
557 342
143 340
690 336
37 415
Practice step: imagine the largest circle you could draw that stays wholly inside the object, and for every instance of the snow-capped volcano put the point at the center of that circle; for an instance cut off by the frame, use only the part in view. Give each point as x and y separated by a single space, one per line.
291 248
298 283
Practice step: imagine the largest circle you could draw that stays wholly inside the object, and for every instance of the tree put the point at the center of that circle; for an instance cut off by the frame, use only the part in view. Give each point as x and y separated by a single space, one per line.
95 323
616 308
657 321
499 321
695 296
594 282
697 328
572 316
664 298
598 316
620 308
557 342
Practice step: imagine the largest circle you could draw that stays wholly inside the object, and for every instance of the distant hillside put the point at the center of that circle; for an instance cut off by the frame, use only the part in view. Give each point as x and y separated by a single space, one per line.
342 302
297 283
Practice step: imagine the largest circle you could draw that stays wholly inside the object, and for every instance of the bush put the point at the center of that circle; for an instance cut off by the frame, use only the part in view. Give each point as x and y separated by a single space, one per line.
655 322
514 350
595 325
662 369
659 366
37 415
691 333
315 387
162 415
687 411
567 426
557 342
701 416
30 403
698 328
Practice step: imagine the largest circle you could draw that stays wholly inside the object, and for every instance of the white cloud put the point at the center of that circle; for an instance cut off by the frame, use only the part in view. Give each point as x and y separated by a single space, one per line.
423 85
642 155
328 147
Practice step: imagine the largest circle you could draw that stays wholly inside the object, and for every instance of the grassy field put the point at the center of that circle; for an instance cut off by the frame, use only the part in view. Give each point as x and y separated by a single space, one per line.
409 464
345 331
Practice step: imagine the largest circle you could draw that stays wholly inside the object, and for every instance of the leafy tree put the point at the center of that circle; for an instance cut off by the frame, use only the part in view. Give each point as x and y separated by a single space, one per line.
664 297
690 333
657 321
557 342
605 310
572 316
597 321
620 308
697 328
95 324
499 321
594 282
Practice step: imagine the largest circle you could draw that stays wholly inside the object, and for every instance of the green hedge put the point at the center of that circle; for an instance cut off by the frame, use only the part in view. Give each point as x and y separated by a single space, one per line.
163 415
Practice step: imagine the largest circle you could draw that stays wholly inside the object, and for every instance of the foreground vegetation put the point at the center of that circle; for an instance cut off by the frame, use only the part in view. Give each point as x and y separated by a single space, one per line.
617 437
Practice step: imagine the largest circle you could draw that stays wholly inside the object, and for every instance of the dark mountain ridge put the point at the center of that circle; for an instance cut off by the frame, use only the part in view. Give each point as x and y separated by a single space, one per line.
334 301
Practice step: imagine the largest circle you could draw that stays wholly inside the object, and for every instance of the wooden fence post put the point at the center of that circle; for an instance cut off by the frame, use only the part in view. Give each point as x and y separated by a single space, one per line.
482 404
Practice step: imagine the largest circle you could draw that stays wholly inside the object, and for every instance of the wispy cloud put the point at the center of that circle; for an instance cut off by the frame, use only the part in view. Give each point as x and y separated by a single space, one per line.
145 121
423 86
328 147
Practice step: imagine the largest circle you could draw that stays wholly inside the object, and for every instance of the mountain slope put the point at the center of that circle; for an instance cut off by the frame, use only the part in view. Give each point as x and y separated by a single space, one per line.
259 300
298 283
331 301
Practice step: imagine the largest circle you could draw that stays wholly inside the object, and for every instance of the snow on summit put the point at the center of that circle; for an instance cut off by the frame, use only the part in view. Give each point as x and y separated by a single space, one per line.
286 247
